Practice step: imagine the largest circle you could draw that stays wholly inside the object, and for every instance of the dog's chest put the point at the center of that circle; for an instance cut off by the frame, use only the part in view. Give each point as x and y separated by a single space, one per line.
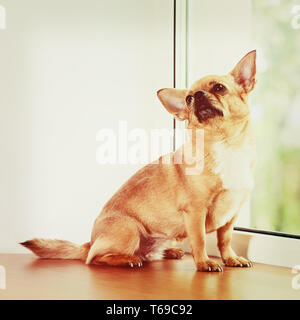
233 166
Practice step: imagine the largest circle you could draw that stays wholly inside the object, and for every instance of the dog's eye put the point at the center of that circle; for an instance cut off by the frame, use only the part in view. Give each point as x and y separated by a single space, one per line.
219 88
188 99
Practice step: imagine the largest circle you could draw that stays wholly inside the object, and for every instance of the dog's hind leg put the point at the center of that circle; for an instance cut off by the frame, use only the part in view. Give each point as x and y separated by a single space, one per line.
117 241
118 260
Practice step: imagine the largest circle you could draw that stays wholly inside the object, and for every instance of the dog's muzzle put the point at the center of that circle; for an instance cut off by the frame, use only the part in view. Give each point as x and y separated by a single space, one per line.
203 107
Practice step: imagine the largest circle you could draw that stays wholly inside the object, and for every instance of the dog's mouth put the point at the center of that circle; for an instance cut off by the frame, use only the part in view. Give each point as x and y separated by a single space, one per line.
203 107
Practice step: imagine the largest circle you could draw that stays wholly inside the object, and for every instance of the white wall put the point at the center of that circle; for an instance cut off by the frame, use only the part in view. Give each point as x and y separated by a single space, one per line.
67 69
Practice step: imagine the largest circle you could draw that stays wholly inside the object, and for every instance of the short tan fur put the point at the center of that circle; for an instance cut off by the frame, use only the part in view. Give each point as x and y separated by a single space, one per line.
161 202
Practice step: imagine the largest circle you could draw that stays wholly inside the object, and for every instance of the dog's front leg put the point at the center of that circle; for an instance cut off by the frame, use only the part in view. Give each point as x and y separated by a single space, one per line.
229 257
195 227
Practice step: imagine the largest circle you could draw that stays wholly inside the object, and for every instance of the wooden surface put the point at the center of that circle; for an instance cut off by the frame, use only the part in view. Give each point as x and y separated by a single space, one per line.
30 278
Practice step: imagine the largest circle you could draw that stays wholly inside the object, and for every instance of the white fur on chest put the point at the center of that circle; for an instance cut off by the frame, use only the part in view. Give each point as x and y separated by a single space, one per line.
233 165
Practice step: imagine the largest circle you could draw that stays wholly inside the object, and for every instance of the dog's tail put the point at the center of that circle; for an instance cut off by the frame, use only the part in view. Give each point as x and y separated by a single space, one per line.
57 249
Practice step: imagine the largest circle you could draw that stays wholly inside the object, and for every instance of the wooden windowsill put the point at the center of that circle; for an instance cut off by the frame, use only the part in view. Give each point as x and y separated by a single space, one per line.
31 278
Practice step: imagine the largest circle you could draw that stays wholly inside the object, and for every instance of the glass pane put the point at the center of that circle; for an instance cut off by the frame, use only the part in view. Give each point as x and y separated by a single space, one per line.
276 112
219 34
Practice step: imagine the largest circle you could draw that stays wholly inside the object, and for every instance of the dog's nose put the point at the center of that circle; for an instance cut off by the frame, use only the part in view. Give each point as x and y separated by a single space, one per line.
199 94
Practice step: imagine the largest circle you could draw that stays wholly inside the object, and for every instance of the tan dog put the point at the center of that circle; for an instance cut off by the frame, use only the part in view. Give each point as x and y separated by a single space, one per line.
162 202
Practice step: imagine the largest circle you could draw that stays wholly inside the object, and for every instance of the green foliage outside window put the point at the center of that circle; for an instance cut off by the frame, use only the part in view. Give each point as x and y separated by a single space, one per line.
276 114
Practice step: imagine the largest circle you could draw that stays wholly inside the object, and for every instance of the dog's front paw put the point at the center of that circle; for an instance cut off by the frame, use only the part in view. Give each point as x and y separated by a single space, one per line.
208 266
237 262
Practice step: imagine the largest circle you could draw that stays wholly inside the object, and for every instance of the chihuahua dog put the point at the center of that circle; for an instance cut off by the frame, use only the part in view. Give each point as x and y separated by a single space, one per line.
162 202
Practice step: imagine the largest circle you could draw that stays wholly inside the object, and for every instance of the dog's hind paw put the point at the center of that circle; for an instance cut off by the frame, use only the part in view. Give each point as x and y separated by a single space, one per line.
173 253
118 260
134 264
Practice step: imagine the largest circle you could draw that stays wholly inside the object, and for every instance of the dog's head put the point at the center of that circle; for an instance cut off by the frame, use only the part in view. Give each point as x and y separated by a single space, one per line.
214 101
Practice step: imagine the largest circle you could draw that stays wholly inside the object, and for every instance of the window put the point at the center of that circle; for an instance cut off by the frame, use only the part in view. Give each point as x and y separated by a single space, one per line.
276 113
217 38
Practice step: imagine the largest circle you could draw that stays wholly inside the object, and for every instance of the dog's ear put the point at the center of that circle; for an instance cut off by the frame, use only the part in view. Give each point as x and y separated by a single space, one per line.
174 101
244 72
